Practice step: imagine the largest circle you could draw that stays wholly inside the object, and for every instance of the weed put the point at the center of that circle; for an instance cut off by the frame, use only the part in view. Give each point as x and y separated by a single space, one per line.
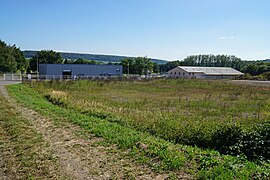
159 153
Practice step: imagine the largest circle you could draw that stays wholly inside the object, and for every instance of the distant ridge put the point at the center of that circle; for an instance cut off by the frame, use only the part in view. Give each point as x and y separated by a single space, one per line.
96 57
267 60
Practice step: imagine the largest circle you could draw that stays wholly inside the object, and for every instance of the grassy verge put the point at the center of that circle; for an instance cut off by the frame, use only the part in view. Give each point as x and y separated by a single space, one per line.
25 154
161 155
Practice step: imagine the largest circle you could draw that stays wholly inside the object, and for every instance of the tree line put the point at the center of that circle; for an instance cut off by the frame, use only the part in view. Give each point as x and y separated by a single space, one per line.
206 61
253 68
139 65
52 57
13 60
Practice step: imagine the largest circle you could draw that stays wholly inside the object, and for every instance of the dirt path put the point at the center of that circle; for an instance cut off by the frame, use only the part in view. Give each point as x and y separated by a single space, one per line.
80 157
2 173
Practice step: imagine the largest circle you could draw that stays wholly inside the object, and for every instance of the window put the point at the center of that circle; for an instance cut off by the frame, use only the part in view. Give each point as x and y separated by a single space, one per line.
179 73
171 72
174 72
189 73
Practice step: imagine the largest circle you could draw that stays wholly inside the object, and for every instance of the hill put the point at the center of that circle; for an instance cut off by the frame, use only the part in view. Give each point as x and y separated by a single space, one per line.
96 57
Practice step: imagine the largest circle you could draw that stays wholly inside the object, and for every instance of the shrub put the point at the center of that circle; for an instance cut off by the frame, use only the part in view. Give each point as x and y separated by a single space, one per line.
57 97
266 75
256 144
226 137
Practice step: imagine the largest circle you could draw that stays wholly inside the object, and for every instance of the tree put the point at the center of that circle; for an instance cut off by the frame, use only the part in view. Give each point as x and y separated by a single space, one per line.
11 59
168 66
80 61
84 61
143 65
256 68
66 61
128 65
156 68
22 63
138 65
45 57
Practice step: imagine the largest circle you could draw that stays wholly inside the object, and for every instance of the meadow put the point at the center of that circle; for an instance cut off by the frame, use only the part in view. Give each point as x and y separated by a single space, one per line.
95 107
207 114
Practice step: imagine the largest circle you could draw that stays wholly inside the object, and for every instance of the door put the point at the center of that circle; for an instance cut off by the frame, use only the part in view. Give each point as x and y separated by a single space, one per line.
67 74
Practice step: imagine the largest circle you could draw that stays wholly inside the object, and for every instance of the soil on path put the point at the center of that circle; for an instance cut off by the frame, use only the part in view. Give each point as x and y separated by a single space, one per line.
81 157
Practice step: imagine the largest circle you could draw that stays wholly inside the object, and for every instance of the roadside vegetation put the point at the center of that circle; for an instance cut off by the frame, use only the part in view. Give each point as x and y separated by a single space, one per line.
156 121
208 114
23 152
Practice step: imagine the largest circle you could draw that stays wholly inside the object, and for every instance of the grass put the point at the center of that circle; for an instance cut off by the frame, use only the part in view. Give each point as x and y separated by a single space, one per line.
25 154
184 111
162 154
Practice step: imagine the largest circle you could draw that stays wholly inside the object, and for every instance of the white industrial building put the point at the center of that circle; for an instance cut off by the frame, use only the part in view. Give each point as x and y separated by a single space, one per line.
203 72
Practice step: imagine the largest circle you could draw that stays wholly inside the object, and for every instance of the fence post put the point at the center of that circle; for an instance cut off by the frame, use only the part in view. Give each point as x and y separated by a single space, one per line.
4 76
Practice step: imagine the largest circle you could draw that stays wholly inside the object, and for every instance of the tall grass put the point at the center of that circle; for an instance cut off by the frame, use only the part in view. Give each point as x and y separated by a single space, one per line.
158 153
189 112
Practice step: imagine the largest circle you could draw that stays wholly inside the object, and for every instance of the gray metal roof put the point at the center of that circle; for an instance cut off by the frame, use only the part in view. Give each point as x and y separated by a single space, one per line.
211 70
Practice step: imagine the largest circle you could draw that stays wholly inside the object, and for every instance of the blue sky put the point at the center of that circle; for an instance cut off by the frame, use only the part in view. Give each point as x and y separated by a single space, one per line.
166 29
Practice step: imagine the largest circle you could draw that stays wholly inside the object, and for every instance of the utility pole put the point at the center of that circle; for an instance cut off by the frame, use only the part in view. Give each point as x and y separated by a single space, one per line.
37 68
128 68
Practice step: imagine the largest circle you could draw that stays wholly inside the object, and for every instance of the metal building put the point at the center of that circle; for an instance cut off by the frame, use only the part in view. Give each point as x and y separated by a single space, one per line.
58 71
203 72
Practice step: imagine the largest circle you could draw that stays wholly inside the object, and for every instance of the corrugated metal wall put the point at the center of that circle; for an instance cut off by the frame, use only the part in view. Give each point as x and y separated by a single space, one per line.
80 69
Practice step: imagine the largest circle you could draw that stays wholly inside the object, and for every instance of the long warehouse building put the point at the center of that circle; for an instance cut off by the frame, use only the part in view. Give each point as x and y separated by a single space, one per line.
48 71
203 72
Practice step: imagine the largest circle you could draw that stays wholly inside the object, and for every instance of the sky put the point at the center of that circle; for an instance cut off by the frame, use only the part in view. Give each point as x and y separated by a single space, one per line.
164 29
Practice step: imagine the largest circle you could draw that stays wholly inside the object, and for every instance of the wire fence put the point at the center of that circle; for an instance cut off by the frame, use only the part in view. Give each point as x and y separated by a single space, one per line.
36 77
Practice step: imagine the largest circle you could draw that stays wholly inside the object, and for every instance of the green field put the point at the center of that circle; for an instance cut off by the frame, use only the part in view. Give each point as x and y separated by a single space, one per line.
191 112
167 115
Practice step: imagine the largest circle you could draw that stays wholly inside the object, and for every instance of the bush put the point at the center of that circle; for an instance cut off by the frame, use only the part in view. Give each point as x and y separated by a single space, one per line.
226 137
266 75
256 144
57 97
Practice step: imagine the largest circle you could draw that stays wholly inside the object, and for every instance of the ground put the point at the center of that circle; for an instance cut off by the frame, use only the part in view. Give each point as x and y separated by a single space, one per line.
64 149
2 83
78 154
252 82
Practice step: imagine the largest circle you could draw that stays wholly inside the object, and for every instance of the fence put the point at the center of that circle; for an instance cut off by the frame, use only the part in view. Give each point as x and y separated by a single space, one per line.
11 77
35 77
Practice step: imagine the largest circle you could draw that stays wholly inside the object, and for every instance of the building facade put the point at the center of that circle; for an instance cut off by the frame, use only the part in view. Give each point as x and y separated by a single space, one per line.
49 71
203 72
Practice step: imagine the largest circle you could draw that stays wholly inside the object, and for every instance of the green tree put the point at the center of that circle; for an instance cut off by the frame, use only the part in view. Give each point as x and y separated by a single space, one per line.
128 65
67 61
156 68
45 57
11 59
80 61
84 61
256 68
138 65
170 65
22 63
252 69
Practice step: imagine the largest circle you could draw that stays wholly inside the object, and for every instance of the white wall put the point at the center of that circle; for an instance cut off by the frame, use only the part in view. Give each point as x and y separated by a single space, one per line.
179 73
